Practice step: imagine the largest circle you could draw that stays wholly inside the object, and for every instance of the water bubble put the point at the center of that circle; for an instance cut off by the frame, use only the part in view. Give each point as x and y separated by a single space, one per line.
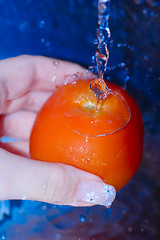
82 218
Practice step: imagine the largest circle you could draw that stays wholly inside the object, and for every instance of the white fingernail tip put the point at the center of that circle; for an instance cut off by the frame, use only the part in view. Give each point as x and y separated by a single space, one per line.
95 193
110 194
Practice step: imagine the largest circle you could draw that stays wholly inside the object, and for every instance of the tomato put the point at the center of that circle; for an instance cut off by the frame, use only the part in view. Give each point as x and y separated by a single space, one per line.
107 141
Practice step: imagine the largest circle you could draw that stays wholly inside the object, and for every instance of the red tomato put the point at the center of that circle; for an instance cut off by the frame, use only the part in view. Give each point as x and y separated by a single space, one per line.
107 142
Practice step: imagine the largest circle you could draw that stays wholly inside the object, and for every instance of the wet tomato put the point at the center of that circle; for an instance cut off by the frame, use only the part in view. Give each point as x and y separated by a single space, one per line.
107 141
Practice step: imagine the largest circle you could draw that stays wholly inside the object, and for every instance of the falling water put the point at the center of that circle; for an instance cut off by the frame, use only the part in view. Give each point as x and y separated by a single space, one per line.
103 36
102 52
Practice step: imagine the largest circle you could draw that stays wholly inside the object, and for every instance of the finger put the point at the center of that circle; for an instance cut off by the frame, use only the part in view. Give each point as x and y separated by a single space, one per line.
17 124
20 148
31 101
51 182
3 96
24 73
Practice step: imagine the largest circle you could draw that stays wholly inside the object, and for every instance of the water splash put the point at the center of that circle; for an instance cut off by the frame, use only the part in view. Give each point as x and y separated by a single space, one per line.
102 53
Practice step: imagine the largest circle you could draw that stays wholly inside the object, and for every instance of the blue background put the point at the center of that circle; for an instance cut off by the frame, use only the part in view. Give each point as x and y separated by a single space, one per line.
66 30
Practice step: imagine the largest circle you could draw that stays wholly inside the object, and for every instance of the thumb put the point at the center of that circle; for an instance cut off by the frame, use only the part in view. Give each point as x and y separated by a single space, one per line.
55 183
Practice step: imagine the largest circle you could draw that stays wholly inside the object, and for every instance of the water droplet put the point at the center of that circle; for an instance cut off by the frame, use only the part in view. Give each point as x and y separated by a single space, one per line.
53 78
86 160
146 57
86 139
55 64
23 197
126 79
96 41
42 23
119 45
124 44
93 69
122 65
93 59
82 218
44 207
71 78
48 44
42 40
111 43
3 236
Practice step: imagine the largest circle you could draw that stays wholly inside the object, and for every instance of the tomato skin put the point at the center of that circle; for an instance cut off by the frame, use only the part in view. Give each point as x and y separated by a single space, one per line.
114 157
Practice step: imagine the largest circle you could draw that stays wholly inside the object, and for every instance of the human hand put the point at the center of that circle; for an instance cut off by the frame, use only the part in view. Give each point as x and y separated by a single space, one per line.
26 82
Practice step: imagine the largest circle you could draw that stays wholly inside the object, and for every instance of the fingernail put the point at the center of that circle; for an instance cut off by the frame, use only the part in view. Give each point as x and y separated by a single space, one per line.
92 192
3 96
